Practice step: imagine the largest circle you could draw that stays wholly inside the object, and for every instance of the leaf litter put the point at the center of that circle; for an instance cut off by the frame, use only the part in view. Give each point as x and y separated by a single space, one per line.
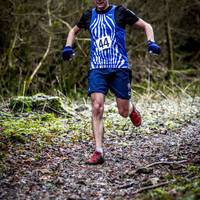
43 154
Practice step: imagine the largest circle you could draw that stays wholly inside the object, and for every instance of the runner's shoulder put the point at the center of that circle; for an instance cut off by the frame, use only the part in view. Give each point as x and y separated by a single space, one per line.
124 16
88 12
120 9
84 21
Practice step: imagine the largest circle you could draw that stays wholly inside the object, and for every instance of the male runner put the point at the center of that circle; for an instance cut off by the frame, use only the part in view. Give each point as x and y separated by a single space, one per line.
109 68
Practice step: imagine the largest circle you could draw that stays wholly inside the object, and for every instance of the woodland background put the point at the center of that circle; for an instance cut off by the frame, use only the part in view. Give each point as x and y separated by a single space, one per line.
46 138
33 34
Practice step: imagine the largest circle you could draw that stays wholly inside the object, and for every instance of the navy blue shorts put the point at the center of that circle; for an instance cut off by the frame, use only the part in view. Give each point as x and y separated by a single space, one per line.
117 80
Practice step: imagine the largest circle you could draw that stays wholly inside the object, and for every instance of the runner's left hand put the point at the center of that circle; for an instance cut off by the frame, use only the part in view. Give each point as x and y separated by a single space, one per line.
153 48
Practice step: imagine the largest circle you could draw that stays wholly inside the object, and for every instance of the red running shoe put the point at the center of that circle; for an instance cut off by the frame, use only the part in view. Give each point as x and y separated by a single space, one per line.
95 159
135 118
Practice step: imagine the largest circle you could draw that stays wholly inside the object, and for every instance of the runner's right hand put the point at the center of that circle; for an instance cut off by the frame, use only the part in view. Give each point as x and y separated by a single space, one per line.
68 53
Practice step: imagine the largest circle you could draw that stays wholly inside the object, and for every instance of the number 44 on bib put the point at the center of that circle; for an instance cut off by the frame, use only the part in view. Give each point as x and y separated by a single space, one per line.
103 43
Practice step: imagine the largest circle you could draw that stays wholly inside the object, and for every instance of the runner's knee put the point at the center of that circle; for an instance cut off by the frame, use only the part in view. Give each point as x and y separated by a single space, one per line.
97 108
124 112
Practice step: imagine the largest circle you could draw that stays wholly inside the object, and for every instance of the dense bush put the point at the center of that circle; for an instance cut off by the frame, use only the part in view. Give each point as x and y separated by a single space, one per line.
29 29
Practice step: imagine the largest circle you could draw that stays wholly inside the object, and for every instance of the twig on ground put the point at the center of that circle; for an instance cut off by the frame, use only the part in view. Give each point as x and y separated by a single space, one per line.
145 188
165 163
159 163
151 165
152 187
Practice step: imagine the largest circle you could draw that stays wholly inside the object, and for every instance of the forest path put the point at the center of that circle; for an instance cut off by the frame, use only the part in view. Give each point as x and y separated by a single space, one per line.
134 163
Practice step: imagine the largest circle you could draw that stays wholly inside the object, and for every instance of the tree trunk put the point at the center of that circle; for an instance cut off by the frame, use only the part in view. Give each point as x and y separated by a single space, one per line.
169 39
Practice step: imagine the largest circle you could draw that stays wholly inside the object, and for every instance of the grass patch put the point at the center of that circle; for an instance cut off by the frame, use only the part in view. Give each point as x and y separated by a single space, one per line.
24 129
184 188
160 113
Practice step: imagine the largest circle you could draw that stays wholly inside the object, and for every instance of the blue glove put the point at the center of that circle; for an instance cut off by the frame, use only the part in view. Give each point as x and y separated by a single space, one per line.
153 48
67 53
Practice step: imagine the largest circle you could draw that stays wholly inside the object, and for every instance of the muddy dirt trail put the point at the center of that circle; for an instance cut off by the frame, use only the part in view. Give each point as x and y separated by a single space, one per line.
134 164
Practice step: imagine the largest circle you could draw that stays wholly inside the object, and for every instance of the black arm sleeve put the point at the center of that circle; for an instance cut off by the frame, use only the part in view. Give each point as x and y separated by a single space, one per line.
84 21
125 16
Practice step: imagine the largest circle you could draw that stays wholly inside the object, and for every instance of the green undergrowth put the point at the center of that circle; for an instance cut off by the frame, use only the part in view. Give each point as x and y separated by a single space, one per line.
35 127
160 113
165 88
21 129
179 187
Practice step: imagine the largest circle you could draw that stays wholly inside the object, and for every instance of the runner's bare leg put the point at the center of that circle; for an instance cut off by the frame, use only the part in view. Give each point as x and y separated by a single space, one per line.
97 118
124 106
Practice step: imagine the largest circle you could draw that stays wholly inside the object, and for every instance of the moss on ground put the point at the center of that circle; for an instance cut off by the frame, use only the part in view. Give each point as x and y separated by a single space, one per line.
182 189
42 129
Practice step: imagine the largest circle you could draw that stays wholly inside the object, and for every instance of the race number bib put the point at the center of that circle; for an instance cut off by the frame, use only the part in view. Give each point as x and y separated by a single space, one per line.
103 43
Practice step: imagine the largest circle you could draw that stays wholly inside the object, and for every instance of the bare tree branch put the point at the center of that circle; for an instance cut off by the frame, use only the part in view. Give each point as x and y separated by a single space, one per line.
12 47
69 27
48 47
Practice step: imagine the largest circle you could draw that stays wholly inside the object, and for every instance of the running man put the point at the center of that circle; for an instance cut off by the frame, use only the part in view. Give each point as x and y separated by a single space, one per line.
109 68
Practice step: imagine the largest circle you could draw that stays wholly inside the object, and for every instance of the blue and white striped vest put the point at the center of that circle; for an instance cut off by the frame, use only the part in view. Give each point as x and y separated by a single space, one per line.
108 48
